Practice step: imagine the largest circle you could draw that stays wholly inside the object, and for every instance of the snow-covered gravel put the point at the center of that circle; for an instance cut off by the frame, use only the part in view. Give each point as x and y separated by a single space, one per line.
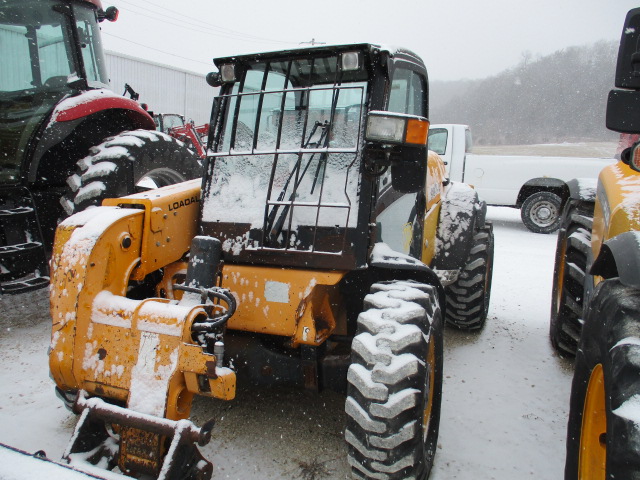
505 398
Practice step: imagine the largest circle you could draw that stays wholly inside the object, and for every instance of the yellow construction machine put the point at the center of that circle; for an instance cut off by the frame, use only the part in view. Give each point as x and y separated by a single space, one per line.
323 248
596 295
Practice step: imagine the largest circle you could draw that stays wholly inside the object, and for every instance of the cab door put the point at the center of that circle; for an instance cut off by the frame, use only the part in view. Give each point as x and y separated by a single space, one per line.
400 215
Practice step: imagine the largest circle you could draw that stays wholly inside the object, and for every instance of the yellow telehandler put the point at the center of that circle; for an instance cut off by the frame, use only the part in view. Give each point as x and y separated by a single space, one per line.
323 248
595 311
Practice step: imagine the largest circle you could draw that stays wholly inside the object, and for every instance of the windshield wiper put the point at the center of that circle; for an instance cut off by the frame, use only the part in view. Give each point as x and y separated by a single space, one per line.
274 228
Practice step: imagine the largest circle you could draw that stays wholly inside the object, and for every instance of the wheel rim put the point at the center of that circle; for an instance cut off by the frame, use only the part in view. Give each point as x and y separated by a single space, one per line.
157 178
593 449
431 382
488 279
560 276
544 213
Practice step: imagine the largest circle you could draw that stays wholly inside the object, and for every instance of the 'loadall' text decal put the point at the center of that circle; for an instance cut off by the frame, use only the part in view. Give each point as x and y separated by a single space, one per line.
183 203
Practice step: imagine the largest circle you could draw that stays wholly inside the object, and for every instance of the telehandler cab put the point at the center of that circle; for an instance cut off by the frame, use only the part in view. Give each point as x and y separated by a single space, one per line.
324 248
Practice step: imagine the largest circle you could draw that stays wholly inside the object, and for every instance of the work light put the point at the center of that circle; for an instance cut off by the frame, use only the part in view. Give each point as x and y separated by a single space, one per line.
350 61
228 73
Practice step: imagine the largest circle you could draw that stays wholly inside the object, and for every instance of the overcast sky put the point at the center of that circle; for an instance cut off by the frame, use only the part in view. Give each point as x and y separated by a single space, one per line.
456 38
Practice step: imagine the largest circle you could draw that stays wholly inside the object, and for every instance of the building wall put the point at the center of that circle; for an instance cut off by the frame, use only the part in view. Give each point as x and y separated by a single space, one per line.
163 88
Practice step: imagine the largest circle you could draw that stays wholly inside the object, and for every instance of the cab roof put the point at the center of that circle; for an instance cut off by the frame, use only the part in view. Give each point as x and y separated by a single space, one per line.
368 48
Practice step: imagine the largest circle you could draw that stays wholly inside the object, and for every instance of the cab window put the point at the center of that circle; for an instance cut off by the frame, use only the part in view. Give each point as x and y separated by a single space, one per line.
438 140
468 142
408 93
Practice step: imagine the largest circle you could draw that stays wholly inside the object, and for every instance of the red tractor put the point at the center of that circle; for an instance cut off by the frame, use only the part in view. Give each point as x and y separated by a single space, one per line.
187 132
66 140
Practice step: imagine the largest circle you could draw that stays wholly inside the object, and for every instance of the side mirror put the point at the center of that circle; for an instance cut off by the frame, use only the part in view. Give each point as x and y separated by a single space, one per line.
399 141
214 79
623 111
623 106
628 67
111 14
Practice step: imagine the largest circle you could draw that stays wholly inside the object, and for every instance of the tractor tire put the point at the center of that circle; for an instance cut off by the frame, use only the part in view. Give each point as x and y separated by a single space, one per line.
603 437
468 297
127 163
541 212
394 383
567 299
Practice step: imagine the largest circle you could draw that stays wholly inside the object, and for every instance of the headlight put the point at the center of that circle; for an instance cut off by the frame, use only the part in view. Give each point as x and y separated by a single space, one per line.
396 128
385 129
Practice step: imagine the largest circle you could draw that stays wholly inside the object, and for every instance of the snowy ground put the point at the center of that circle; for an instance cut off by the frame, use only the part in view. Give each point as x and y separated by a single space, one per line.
505 398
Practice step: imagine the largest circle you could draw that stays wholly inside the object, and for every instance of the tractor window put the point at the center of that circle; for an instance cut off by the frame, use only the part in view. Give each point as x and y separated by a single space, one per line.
91 46
36 63
408 93
32 47
165 121
438 140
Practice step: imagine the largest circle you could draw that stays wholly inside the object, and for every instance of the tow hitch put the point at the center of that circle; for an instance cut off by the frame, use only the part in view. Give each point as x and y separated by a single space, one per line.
108 436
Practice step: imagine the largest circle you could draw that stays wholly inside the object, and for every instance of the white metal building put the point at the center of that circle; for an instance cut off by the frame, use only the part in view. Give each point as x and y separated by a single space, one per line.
163 88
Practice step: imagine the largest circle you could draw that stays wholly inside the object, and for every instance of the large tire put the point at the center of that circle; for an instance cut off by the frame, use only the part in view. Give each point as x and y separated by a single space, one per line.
603 438
127 163
567 299
541 212
394 386
468 297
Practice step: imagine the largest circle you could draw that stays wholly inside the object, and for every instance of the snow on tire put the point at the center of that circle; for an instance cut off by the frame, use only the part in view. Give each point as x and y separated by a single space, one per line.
572 250
395 383
126 163
468 297
603 437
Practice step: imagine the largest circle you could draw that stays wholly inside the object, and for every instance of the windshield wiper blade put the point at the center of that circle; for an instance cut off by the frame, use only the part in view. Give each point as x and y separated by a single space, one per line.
274 228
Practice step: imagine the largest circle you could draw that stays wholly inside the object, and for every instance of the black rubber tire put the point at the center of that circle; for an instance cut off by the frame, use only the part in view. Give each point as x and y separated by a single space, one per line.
394 388
541 212
610 350
468 297
567 298
116 167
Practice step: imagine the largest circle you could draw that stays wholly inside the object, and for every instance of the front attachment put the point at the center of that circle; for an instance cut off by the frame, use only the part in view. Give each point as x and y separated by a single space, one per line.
107 436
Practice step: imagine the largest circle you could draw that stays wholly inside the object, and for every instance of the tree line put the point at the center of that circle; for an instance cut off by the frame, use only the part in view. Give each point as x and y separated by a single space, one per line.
560 97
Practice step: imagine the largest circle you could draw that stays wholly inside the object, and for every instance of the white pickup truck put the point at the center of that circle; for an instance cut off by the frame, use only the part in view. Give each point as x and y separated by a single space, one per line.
536 185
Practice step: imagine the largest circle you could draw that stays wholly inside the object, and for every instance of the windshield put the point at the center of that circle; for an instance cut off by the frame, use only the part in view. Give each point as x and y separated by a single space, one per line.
36 46
286 164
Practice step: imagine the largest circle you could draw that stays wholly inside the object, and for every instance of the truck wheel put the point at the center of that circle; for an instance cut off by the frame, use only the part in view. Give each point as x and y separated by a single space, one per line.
127 163
604 426
394 385
540 212
567 299
468 297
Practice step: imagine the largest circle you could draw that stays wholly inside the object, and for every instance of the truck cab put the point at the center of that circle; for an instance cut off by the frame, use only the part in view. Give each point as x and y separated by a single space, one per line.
452 142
